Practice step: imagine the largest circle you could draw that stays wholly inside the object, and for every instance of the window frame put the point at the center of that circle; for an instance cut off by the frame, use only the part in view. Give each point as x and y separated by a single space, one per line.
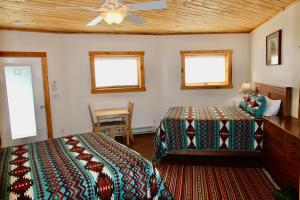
215 85
117 89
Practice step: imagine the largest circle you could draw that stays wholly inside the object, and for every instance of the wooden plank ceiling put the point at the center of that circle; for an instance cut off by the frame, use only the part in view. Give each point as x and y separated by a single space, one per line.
181 16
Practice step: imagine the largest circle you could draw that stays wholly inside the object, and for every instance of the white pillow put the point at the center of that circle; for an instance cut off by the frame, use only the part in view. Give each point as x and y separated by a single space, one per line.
273 107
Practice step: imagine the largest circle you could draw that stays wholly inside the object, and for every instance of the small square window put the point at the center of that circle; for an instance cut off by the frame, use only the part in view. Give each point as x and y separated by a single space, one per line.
206 69
117 72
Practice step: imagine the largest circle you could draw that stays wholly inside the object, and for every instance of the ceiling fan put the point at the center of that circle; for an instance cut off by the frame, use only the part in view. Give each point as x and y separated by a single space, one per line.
115 11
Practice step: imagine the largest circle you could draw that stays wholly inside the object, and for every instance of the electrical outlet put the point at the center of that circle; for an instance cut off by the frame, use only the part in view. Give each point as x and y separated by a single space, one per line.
154 121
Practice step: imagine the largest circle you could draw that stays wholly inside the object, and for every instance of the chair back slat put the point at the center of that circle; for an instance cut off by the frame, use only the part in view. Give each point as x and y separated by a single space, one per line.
91 115
130 110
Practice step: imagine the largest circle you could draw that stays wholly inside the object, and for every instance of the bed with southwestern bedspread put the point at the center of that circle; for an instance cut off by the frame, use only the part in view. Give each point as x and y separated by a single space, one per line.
83 166
207 128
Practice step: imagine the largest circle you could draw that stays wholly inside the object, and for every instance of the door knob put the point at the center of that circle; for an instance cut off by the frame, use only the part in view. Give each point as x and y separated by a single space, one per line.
42 107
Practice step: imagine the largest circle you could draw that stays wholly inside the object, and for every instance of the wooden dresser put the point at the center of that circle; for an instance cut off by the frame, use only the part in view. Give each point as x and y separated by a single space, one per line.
282 149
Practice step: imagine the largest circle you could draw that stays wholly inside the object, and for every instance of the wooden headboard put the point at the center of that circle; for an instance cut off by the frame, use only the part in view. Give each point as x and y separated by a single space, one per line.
277 93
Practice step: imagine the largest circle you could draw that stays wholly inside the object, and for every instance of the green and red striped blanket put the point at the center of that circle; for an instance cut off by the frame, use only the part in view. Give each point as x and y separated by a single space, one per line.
84 166
207 128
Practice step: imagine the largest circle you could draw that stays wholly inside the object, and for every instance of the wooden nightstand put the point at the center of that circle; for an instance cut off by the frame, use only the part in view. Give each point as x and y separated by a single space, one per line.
282 149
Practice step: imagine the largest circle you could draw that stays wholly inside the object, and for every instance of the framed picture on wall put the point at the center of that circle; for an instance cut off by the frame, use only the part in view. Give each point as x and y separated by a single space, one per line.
273 48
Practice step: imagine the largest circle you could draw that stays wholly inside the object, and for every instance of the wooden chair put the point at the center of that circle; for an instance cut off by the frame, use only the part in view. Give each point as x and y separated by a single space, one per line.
96 128
126 127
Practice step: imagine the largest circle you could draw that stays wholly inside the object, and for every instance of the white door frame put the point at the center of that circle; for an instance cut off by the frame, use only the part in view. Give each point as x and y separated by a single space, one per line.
43 57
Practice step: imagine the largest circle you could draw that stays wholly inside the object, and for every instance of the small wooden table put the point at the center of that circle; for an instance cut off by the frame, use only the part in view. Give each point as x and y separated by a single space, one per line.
113 114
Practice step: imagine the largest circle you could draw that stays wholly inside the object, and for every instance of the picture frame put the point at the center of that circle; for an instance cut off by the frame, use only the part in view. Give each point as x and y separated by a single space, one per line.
273 48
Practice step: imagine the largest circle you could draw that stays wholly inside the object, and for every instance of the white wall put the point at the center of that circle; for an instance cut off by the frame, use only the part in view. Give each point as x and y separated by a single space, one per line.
287 74
68 63
171 46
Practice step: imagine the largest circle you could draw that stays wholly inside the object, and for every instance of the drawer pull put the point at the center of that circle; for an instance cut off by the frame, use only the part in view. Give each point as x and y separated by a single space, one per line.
294 143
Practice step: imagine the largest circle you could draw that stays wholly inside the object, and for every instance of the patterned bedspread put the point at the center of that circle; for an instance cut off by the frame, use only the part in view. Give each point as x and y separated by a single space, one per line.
208 128
84 166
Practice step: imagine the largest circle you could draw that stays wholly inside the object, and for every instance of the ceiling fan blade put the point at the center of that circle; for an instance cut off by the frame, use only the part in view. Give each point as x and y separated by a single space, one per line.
152 5
95 21
135 19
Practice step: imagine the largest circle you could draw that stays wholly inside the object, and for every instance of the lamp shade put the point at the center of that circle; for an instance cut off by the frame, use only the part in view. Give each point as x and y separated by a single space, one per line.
246 87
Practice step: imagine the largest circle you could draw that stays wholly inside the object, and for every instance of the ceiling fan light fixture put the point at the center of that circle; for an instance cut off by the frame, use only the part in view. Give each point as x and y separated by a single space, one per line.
115 11
113 17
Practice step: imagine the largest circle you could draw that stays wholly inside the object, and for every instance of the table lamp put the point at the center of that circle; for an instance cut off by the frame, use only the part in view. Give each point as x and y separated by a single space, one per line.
246 87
